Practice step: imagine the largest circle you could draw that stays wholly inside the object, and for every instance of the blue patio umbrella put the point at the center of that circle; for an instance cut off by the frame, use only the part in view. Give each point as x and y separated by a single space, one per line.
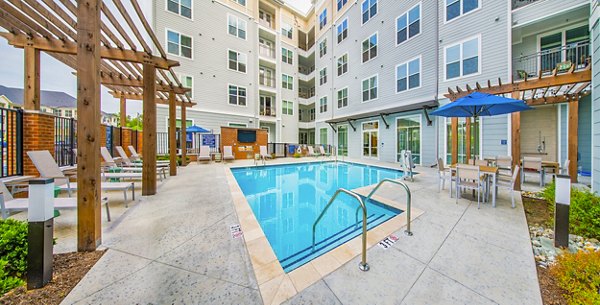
194 129
481 104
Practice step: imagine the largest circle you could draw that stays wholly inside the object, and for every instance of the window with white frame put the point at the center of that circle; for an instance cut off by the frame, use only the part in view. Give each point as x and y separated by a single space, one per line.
456 8
323 48
287 82
323 19
187 81
323 76
287 108
243 125
180 7
369 48
179 44
462 59
237 61
287 56
368 9
408 75
237 27
342 98
237 95
342 64
323 104
340 4
240 2
408 24
369 88
323 138
342 30
287 30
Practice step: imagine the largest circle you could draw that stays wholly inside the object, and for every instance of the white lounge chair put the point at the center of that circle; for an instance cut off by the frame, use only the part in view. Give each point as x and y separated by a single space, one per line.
111 163
133 153
9 204
204 154
47 167
126 161
264 154
322 151
228 153
312 153
136 158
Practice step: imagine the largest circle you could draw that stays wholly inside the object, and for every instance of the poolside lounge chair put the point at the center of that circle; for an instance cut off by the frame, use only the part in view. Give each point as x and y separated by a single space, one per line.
312 153
264 153
112 164
469 177
532 165
509 183
125 161
9 204
47 167
136 158
204 154
322 151
228 153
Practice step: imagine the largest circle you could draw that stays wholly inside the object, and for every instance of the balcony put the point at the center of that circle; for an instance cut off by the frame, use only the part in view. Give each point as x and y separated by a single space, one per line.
521 3
574 56
267 111
306 70
266 51
268 82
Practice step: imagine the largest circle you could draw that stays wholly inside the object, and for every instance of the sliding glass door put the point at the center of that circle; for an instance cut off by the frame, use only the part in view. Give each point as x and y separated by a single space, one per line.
408 132
343 140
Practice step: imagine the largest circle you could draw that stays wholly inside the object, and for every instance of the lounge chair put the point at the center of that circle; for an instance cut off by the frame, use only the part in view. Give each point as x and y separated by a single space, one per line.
111 163
264 153
125 161
135 157
312 153
204 154
9 204
228 153
322 151
47 167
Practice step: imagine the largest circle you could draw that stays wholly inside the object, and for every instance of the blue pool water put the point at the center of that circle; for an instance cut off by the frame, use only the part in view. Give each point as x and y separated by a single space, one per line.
287 199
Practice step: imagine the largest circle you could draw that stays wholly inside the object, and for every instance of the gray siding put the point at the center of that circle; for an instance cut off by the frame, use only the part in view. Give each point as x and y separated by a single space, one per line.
584 134
494 130
594 21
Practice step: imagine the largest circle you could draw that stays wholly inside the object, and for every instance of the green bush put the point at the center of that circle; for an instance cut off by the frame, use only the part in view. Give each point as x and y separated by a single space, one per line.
166 158
584 217
13 253
297 155
579 275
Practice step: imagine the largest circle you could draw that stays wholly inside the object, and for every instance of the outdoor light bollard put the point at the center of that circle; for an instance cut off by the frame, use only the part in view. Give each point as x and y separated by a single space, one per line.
40 233
562 197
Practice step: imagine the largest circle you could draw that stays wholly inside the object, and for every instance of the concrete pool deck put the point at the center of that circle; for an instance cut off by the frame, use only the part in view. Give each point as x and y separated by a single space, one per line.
175 247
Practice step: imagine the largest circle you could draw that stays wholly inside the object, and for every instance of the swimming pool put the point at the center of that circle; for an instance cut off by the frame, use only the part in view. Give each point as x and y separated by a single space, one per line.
287 199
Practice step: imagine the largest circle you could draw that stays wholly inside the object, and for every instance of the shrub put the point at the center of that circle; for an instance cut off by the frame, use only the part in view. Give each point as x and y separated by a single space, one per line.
297 155
579 275
13 253
584 212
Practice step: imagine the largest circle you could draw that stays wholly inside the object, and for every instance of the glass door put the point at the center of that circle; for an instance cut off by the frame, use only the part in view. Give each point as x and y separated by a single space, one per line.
370 139
409 137
462 142
343 140
266 77
266 105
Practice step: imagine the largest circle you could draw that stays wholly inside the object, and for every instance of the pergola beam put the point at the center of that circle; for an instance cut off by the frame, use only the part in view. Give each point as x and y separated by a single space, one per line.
121 80
139 97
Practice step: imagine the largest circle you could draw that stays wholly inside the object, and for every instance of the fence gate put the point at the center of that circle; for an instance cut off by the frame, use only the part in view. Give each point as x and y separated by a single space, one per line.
11 136
65 140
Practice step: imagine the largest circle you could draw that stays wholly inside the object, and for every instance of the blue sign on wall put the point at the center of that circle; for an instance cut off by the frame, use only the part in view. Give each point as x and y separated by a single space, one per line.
503 142
209 140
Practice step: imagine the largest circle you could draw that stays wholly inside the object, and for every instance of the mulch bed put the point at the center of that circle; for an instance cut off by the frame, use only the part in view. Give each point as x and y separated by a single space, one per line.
69 269
538 214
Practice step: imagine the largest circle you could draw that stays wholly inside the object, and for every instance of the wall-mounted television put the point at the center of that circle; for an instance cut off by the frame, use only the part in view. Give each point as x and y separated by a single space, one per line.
246 136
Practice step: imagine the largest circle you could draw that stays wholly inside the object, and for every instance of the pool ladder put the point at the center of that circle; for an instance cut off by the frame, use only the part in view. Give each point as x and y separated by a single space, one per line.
362 265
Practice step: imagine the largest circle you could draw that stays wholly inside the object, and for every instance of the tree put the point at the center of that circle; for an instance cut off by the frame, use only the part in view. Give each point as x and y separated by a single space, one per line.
135 123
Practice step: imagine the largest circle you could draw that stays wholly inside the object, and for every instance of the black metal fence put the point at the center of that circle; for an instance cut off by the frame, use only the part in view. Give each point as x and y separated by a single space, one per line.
11 136
193 142
65 141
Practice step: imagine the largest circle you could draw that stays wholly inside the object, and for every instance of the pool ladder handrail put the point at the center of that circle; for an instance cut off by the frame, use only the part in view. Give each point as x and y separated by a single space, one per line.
408 201
362 265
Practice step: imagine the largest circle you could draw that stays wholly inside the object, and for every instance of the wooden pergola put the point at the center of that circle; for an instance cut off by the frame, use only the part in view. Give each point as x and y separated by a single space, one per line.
556 87
105 47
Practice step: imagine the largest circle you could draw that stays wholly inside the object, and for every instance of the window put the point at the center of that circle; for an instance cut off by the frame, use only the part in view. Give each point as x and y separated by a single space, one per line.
323 104
287 56
240 2
287 82
237 125
180 7
287 30
57 112
237 27
288 108
462 58
343 140
369 89
323 48
237 61
187 82
369 48
179 44
323 137
68 113
408 25
408 75
342 30
323 76
455 8
323 19
342 64
340 4
342 98
237 95
368 9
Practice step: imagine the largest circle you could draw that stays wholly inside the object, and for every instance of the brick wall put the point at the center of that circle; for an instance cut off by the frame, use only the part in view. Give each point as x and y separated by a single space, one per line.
38 134
229 138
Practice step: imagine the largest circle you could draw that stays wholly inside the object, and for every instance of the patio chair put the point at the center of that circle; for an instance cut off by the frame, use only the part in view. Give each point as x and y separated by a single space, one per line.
110 164
444 174
312 153
504 164
228 153
47 167
9 204
532 165
469 177
264 153
322 151
480 162
509 183
127 162
204 154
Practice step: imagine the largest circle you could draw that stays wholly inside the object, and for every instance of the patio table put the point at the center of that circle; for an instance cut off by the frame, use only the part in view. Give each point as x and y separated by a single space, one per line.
488 170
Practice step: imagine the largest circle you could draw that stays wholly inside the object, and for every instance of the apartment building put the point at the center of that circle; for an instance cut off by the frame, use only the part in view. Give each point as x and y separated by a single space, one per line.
363 75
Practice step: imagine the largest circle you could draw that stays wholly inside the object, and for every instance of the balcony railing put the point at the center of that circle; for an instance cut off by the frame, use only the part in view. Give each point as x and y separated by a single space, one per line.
521 3
306 93
267 111
266 51
265 23
306 70
563 58
266 81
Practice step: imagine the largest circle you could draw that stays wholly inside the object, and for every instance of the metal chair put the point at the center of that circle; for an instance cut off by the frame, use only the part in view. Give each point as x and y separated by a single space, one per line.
509 184
532 165
469 177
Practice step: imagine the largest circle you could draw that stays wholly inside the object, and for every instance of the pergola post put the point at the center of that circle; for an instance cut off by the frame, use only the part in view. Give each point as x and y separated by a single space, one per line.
183 135
468 139
149 134
573 138
172 135
123 111
88 129
31 99
516 140
454 122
